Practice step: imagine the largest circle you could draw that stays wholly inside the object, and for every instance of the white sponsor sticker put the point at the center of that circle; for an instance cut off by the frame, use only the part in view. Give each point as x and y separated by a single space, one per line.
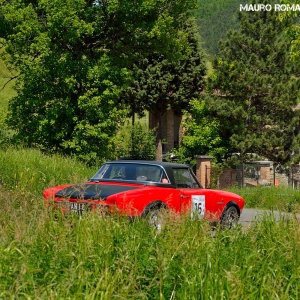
198 207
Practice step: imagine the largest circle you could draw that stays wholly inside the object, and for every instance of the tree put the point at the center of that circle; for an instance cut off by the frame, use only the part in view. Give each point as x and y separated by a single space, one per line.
136 142
254 88
201 134
290 17
73 59
161 84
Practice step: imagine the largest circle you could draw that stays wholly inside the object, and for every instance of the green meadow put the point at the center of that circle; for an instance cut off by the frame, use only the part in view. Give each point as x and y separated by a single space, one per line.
43 256
6 89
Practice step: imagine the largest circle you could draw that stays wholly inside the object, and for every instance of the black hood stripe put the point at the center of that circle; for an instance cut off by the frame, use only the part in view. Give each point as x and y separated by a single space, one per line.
92 191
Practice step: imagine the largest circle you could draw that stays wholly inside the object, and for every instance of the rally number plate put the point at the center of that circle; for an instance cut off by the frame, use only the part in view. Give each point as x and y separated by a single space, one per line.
198 207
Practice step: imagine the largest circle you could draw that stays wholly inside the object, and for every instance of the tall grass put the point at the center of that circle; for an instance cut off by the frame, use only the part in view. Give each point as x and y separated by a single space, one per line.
30 170
43 257
283 199
46 256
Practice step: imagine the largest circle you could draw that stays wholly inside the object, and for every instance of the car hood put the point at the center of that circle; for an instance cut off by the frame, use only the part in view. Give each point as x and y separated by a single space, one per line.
92 191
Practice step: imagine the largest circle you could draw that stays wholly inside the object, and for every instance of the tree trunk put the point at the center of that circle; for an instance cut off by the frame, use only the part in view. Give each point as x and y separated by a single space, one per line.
132 154
170 128
158 140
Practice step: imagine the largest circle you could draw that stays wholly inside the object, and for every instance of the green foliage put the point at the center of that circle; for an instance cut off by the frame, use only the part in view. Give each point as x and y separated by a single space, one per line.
73 60
6 89
6 93
161 84
75 118
254 89
136 142
293 29
201 134
6 136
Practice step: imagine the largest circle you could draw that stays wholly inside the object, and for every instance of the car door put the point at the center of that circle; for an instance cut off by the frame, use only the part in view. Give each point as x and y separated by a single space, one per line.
194 199
200 203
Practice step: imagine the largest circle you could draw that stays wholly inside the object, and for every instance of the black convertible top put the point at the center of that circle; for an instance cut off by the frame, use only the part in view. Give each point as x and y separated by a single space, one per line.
151 162
168 168
166 165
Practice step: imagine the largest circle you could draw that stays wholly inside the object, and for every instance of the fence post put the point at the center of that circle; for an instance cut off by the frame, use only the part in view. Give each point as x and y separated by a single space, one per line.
257 174
292 171
206 181
202 167
274 173
243 174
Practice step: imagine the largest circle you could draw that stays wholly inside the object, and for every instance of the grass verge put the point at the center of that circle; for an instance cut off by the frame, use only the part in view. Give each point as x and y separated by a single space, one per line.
284 199
43 256
30 170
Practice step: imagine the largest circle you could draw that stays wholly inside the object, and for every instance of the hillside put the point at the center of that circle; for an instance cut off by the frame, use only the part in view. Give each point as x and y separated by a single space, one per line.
209 8
214 19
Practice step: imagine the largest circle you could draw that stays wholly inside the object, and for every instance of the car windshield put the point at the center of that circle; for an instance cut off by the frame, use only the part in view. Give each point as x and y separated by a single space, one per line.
132 172
184 178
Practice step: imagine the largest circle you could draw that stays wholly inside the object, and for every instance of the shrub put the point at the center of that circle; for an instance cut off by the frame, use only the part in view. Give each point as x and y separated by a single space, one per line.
136 142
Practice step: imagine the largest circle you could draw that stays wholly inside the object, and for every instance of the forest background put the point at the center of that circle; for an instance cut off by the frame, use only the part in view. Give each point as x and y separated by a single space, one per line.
205 75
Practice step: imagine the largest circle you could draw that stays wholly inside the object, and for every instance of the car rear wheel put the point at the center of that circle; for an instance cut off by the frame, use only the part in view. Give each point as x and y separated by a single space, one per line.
230 217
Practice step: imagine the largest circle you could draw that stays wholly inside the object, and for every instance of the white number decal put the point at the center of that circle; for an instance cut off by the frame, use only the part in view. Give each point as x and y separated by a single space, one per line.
198 207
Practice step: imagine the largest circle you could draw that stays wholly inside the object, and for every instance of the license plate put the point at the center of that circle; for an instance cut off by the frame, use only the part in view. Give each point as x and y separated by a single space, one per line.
78 208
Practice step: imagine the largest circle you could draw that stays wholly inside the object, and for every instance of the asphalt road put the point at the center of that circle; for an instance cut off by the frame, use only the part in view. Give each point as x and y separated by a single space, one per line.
250 215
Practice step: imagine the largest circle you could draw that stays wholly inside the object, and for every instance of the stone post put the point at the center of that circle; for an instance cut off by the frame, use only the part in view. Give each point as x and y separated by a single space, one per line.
203 169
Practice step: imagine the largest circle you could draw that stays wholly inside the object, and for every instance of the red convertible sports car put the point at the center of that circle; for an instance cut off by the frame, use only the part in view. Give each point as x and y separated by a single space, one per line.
145 188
